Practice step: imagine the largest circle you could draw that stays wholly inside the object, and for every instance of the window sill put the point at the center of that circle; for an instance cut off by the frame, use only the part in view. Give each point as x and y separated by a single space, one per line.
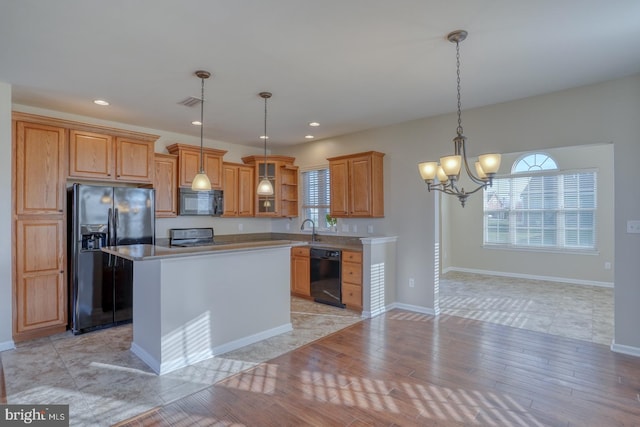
542 250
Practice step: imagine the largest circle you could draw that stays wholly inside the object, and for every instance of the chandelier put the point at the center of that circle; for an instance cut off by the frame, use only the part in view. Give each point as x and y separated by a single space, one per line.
201 181
445 175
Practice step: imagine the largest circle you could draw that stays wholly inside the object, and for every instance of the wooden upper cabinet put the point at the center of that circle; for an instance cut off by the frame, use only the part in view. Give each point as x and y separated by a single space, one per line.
339 190
91 155
238 190
284 178
134 160
103 157
40 291
357 185
165 179
230 179
246 191
189 164
213 168
40 171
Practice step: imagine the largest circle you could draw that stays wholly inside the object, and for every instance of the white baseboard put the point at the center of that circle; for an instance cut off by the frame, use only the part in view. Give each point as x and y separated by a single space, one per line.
530 276
146 357
164 367
7 345
409 307
251 339
625 349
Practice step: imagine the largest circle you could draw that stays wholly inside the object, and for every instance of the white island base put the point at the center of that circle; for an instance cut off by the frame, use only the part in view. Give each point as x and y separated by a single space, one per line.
189 308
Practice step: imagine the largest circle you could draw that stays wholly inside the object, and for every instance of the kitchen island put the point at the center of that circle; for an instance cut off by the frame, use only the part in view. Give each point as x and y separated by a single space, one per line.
190 304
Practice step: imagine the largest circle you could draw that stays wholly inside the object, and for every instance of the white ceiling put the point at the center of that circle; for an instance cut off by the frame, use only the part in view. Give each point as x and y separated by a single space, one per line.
348 64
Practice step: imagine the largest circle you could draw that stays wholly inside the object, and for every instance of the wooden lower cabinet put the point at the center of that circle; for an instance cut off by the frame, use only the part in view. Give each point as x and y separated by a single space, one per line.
300 272
352 279
40 285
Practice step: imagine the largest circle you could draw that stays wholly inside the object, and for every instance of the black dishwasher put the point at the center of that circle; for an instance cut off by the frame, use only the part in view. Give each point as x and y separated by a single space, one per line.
325 276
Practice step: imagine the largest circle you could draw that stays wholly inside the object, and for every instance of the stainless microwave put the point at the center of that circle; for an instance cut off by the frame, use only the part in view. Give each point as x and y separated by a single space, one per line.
201 202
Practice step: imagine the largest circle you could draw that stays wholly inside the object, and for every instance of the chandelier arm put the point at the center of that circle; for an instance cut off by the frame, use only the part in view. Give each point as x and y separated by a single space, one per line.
472 176
480 187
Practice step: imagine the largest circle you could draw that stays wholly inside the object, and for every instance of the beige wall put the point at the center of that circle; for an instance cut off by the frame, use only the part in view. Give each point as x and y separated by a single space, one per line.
5 218
464 250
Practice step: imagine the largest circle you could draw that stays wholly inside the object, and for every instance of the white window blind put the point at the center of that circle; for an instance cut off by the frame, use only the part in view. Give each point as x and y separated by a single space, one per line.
547 210
315 201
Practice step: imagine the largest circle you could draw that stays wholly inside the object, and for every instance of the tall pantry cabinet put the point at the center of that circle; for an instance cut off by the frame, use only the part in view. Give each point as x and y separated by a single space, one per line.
40 297
46 152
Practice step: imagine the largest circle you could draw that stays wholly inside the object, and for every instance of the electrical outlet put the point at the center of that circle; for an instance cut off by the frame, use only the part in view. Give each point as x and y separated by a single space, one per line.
354 228
345 228
607 265
240 227
370 229
633 226
288 226
412 282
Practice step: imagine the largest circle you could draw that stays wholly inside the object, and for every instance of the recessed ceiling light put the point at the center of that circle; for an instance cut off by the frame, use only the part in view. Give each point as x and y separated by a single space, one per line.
100 102
309 136
196 123
314 124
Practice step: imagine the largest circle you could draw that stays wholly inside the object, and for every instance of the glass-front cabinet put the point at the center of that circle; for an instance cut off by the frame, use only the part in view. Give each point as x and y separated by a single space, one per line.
267 204
284 179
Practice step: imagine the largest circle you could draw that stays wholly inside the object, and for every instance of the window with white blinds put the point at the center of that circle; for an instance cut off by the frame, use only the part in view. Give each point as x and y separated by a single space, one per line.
315 200
545 210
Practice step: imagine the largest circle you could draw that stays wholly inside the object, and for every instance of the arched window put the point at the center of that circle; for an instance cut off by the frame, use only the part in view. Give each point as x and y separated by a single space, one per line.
533 162
540 207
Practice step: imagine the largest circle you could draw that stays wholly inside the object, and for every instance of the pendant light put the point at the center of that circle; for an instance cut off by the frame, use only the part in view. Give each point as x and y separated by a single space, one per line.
447 171
265 188
201 181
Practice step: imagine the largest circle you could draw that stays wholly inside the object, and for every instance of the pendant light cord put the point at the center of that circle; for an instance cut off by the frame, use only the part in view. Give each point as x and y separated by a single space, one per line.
202 126
265 137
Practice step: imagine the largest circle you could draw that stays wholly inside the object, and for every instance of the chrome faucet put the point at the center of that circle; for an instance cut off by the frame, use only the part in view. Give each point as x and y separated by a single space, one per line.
313 228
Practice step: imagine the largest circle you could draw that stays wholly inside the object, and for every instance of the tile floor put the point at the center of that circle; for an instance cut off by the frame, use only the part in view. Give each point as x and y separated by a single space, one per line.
103 382
573 311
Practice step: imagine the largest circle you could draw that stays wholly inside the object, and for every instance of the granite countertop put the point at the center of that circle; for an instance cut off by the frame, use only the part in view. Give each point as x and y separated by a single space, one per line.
325 241
148 252
331 245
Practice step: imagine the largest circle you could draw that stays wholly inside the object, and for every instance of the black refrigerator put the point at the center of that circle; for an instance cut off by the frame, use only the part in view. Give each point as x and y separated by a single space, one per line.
101 285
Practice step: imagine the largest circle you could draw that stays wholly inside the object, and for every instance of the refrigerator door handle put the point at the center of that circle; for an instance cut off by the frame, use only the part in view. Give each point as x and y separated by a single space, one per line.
116 224
109 227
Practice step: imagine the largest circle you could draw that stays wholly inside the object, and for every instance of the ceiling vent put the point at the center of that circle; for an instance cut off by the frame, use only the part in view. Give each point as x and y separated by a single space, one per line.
191 101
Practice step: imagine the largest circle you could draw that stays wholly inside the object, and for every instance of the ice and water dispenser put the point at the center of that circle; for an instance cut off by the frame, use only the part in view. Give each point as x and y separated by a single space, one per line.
94 236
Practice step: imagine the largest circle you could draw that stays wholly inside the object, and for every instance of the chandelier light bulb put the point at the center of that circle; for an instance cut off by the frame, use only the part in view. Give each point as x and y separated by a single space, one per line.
428 170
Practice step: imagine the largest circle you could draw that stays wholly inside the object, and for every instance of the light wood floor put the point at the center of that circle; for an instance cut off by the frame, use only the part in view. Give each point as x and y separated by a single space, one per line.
408 369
